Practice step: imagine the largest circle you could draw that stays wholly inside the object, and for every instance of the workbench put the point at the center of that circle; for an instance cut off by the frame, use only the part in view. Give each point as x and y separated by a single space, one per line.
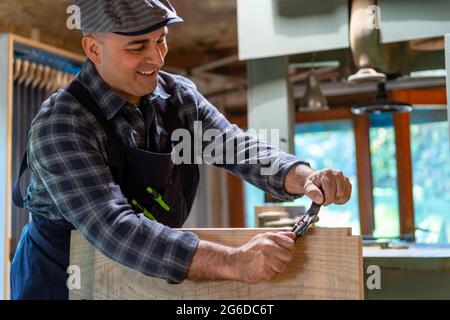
420 272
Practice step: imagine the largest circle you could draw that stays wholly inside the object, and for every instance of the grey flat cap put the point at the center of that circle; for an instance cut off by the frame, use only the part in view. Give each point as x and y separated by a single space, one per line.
126 17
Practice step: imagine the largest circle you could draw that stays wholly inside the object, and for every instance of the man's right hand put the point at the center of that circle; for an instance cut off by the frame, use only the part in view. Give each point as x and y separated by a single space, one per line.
263 256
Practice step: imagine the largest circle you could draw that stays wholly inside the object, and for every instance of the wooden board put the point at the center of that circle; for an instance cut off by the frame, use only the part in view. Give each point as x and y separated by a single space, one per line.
327 265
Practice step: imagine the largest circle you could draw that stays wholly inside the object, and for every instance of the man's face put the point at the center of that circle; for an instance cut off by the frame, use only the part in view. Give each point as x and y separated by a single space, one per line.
129 64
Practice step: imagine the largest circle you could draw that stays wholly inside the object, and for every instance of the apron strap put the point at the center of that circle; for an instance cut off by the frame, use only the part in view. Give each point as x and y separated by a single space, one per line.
79 92
114 148
17 195
171 119
168 114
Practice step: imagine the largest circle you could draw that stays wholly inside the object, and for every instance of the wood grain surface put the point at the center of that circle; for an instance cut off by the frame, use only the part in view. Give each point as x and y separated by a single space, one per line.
327 265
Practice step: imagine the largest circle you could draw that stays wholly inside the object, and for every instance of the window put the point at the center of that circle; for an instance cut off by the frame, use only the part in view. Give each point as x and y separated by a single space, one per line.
431 175
331 145
384 179
431 178
324 145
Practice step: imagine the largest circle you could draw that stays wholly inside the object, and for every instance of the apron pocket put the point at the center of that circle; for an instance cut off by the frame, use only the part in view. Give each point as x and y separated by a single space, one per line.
177 214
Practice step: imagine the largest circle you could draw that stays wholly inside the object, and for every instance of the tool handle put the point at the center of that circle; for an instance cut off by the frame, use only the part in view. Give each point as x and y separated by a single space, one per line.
314 209
302 225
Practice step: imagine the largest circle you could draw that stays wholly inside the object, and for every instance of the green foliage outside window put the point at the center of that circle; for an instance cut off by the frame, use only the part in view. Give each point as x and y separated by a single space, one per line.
331 145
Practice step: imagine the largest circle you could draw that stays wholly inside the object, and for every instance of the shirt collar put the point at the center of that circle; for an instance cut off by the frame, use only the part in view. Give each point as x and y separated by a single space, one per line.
159 92
108 100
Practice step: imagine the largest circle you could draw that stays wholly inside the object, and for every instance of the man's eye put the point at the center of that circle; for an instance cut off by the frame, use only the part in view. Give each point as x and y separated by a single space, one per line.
135 50
162 40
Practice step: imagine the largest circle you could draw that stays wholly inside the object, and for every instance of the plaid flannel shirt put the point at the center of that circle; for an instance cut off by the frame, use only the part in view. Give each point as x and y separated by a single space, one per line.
71 179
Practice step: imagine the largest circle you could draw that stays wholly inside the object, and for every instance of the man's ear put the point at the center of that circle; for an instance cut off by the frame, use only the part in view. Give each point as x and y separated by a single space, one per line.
91 48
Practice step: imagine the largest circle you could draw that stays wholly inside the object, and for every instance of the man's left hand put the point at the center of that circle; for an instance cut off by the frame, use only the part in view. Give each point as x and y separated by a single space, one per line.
323 187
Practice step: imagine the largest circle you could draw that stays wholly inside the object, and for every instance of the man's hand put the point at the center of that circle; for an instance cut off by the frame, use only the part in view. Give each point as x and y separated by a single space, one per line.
263 256
336 187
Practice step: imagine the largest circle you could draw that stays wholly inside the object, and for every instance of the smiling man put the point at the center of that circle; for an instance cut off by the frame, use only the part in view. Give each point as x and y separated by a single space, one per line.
121 64
100 157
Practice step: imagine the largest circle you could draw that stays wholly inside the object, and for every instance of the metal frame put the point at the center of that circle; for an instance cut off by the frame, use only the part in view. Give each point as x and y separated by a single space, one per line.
270 99
447 66
268 28
6 69
7 44
404 20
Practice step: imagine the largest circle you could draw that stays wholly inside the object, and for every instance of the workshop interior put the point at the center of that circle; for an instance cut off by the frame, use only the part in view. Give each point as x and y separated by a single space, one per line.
359 86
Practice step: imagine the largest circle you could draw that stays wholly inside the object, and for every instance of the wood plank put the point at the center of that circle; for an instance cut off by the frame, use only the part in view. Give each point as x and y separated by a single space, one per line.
421 96
364 172
333 114
239 120
327 265
404 175
339 109
45 47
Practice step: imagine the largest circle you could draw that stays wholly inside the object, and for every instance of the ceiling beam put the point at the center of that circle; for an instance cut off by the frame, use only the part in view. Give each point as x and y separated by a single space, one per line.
215 64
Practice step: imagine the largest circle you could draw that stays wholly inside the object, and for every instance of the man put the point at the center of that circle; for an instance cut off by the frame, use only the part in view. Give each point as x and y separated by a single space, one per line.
100 154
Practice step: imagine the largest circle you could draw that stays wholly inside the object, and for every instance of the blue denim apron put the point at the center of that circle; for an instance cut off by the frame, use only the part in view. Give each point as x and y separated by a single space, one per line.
148 179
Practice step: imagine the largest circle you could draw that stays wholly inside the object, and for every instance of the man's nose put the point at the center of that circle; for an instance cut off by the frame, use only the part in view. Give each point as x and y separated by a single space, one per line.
155 55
